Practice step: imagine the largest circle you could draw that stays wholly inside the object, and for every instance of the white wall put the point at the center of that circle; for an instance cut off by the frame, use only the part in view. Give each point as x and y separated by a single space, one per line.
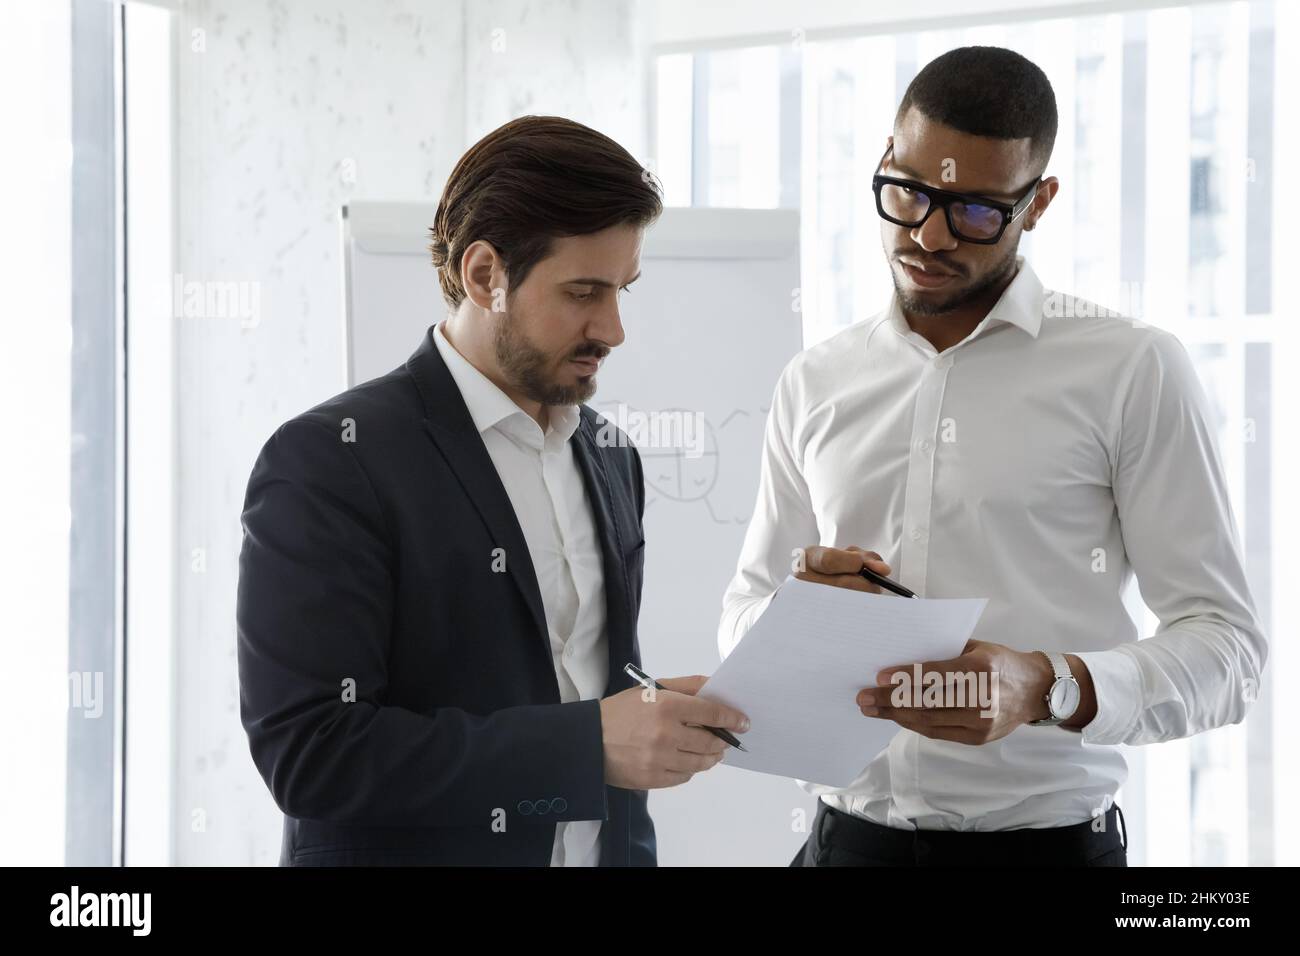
576 58
279 108
284 112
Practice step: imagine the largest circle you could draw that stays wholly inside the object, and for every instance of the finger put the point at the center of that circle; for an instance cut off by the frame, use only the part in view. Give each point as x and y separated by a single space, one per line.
684 685
971 736
953 687
682 762
709 713
951 671
671 778
871 559
833 560
853 581
699 741
915 718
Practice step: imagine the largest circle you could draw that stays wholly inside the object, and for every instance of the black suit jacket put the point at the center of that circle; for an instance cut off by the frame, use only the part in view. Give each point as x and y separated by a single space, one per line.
371 529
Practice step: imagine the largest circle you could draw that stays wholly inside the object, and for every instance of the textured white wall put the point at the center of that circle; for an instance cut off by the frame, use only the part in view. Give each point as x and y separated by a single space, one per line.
576 58
285 110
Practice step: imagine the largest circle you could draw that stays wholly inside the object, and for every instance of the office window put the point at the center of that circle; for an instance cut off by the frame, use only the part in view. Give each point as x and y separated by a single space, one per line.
60 388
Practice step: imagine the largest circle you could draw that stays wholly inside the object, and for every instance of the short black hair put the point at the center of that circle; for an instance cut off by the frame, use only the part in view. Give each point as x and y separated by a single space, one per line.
987 91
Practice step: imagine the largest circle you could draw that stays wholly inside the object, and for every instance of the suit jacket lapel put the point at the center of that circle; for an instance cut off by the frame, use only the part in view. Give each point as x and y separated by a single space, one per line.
452 429
617 600
449 424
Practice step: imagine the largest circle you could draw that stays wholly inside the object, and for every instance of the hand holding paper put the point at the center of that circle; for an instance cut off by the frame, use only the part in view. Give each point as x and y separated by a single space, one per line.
798 671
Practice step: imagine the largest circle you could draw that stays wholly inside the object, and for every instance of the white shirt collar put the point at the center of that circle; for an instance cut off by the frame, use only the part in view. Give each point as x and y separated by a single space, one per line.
489 406
1021 305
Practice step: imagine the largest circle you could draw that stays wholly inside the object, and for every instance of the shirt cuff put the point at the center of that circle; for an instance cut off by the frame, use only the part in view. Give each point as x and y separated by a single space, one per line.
1117 683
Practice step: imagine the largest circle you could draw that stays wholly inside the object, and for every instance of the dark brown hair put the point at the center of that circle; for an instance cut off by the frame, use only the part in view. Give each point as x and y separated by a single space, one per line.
532 180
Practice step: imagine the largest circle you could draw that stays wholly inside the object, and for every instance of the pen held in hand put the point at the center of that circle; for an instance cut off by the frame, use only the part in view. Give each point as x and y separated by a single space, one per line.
884 582
649 683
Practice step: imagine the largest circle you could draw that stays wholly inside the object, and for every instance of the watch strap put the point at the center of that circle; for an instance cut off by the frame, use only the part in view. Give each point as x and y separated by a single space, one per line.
1061 670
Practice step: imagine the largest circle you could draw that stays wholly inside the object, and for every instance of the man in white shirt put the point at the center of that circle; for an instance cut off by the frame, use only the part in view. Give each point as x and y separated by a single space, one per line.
996 440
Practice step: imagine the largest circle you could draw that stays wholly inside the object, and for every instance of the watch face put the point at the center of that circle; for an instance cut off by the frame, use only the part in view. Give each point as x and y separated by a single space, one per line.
1065 698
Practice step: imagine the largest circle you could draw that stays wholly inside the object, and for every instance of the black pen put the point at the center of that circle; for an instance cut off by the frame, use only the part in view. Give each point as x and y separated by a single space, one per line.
884 582
649 683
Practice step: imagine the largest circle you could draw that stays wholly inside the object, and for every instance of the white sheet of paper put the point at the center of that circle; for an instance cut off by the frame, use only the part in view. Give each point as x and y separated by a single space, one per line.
798 670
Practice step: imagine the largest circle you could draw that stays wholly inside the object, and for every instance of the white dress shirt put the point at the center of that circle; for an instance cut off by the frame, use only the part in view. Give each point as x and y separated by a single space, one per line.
1039 462
546 490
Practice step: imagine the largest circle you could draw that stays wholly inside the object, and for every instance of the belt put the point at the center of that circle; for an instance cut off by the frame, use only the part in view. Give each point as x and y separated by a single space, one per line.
1036 846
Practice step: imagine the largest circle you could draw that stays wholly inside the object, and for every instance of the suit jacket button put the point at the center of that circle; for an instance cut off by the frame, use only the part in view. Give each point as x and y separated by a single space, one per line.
559 805
525 807
543 806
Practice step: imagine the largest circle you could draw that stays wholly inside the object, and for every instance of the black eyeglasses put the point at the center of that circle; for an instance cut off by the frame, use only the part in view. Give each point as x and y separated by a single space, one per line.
906 202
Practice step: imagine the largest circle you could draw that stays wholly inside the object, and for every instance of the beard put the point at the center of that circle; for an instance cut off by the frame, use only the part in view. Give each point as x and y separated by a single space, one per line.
919 305
533 371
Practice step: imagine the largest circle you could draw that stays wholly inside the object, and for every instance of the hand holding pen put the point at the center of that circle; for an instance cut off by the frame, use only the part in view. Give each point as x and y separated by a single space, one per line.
664 742
851 568
649 683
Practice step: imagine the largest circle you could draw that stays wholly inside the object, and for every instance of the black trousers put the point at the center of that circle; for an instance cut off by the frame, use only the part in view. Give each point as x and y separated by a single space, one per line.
839 839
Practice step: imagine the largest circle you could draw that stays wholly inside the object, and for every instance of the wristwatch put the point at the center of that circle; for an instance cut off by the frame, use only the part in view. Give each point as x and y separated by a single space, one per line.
1064 694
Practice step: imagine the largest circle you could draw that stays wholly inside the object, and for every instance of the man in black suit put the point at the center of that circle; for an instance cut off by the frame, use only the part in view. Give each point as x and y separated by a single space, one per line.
441 570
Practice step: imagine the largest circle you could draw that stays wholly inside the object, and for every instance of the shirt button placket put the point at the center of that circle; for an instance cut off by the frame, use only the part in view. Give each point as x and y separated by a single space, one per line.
920 473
